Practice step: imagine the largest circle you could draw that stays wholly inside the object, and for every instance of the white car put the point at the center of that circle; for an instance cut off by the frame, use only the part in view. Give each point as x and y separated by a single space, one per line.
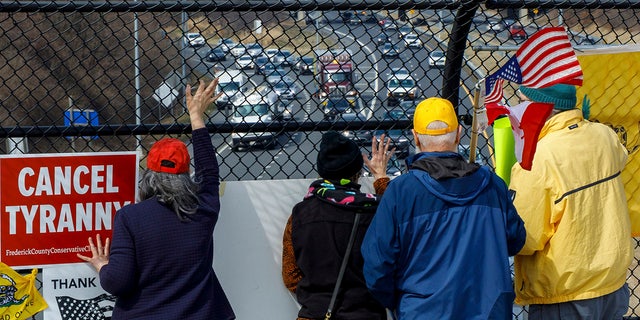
412 40
402 87
495 25
437 59
287 89
238 50
194 40
245 62
280 58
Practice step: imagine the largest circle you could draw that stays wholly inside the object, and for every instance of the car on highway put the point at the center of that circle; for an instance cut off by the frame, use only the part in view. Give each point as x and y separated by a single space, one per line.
239 50
262 64
494 25
193 39
382 38
517 32
287 89
361 137
388 24
399 137
401 87
412 40
270 68
315 18
346 15
399 71
355 19
230 83
366 16
582 38
226 44
280 57
276 75
262 105
245 62
305 65
390 50
420 21
271 52
216 54
508 22
404 30
437 59
338 105
290 58
409 107
254 49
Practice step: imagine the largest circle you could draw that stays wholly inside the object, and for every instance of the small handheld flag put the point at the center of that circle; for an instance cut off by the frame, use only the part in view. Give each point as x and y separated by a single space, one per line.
545 59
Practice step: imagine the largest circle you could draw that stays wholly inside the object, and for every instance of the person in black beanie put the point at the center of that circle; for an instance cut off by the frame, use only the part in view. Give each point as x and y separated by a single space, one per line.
338 157
317 233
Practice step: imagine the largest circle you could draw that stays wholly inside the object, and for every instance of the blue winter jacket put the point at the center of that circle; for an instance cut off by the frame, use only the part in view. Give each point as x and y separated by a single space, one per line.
439 243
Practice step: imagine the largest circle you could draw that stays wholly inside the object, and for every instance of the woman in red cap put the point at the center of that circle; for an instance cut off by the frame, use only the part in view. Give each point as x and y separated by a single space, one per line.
159 265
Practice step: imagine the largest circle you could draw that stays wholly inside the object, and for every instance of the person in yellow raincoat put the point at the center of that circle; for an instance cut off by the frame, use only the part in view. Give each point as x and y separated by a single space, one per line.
578 249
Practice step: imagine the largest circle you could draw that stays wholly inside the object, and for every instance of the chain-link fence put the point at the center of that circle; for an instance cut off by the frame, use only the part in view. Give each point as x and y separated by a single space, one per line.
85 76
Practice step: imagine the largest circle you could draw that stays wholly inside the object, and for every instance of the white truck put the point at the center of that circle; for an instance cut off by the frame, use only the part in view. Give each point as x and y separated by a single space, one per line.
401 87
262 105
230 83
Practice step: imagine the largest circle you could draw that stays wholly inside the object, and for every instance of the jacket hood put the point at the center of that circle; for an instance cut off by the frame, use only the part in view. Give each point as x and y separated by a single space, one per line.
448 176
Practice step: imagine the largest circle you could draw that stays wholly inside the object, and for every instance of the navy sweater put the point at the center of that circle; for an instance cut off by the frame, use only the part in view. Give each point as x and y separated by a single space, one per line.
161 267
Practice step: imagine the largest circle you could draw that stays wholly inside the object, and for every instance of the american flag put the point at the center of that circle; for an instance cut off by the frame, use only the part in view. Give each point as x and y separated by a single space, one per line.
545 59
98 308
493 100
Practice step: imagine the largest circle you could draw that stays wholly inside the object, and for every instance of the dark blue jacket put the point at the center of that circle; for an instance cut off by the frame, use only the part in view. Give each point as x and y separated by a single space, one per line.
161 267
439 248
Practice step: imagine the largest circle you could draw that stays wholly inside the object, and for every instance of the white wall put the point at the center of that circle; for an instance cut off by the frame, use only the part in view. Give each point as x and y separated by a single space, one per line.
248 245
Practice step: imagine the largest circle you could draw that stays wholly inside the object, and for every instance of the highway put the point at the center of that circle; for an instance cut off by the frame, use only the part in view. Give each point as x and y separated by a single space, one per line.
295 153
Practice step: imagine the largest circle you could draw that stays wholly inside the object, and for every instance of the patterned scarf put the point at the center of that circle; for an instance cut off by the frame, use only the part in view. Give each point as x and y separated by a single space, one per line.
343 193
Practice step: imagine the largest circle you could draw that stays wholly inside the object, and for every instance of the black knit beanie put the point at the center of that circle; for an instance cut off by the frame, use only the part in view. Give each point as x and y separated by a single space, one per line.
339 157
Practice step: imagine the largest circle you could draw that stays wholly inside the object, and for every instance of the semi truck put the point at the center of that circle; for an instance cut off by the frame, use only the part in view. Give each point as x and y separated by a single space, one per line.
334 72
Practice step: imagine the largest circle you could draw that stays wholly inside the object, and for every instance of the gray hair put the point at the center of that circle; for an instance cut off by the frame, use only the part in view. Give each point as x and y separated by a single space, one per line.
177 191
439 142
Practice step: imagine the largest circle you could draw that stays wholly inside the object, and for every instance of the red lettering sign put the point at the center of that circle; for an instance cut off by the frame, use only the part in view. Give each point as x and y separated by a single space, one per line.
51 203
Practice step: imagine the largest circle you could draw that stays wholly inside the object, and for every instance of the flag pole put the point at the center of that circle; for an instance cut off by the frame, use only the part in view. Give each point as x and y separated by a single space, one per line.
474 122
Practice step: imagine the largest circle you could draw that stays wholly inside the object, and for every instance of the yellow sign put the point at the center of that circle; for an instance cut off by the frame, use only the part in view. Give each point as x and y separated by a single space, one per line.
612 83
19 297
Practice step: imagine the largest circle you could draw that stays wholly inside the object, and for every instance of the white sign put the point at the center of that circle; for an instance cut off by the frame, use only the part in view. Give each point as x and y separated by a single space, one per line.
73 291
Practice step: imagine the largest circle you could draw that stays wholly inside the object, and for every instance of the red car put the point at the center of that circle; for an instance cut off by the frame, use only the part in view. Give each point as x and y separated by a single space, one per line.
516 31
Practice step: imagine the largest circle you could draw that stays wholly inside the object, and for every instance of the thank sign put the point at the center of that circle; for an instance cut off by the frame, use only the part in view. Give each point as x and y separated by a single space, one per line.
51 203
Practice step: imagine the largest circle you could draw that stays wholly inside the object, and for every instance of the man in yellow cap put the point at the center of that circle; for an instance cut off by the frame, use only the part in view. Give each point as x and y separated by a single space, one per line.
438 246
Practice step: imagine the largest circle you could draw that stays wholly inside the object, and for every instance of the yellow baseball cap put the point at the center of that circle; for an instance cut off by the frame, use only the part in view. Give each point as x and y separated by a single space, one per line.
434 109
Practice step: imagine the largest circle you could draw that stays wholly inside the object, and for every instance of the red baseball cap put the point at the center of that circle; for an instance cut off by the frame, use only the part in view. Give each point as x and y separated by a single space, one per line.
169 155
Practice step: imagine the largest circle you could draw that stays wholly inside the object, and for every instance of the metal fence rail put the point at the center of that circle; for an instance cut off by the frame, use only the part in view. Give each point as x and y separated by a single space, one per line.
84 76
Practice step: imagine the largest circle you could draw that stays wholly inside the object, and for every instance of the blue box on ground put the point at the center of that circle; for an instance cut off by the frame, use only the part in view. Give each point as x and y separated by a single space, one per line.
81 117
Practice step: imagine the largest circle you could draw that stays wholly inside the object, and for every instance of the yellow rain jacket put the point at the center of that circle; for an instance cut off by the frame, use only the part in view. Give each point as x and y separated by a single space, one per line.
579 243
